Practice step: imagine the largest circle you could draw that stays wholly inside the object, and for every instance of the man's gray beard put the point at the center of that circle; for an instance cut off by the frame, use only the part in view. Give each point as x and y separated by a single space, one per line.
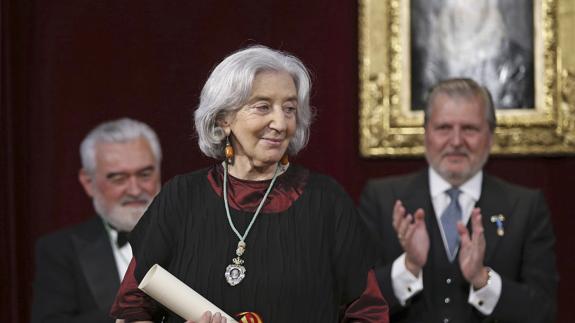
461 178
122 218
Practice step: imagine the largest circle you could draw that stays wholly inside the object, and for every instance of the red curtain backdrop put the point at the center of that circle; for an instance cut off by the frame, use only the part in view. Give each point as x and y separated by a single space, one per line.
70 64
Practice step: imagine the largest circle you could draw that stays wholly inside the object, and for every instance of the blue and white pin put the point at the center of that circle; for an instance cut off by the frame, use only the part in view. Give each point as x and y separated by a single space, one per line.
498 220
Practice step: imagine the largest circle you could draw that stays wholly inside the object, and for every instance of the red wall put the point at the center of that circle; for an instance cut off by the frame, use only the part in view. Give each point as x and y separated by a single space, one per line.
71 64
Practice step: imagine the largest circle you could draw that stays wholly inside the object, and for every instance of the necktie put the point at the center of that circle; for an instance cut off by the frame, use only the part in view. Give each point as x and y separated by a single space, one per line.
122 239
449 219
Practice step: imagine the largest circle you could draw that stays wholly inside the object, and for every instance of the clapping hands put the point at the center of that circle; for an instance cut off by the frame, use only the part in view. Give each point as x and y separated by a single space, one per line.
412 235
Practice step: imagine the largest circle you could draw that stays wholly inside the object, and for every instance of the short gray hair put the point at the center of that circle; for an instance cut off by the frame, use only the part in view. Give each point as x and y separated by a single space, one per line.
229 87
462 87
117 131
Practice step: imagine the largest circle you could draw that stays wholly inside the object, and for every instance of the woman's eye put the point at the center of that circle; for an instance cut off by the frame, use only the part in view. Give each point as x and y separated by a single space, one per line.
290 110
262 108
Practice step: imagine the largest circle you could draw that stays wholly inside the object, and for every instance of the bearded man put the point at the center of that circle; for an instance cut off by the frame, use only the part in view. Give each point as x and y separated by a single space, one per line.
456 244
79 269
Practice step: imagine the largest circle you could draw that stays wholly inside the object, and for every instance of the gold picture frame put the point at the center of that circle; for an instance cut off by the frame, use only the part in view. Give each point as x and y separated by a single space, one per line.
388 125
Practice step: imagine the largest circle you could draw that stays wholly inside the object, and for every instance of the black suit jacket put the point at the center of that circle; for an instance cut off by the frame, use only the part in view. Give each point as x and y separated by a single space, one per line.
76 275
524 257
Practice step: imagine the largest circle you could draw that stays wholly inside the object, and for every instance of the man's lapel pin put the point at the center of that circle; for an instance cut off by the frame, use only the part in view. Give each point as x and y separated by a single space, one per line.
498 220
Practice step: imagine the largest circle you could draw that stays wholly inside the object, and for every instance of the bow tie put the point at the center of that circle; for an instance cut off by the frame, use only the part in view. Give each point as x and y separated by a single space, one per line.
122 238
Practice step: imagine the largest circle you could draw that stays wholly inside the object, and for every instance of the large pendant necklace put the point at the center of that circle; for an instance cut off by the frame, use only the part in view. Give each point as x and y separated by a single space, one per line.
236 272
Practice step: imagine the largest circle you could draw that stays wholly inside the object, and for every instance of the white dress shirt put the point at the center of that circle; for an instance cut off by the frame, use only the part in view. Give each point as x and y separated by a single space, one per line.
405 284
122 255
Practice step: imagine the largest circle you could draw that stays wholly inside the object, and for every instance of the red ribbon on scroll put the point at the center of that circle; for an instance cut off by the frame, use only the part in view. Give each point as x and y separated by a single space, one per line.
249 317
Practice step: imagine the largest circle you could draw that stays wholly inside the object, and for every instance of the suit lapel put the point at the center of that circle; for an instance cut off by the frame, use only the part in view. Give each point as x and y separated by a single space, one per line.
493 202
98 264
416 195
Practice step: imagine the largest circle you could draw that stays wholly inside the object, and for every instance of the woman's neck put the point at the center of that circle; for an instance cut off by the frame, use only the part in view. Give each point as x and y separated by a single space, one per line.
248 171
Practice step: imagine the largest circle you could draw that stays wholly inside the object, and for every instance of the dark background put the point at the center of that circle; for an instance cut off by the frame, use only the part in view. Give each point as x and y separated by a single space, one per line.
67 65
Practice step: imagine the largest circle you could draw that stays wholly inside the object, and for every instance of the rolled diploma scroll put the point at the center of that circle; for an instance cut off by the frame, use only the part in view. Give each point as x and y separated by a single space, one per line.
177 296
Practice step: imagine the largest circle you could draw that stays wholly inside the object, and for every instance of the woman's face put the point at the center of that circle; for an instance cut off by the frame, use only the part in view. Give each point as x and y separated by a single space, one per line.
262 129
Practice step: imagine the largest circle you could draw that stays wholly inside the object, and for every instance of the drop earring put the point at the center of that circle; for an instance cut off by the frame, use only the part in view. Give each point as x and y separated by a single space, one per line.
229 151
284 160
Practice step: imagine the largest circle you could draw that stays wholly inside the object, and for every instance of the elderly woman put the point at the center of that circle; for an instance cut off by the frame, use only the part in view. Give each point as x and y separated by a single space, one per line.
253 233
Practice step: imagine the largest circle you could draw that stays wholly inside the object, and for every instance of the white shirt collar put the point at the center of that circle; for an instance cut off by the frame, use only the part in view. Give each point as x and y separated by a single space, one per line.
438 185
122 255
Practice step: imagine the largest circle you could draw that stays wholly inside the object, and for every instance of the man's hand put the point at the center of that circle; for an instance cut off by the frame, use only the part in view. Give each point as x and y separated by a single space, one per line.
472 251
413 237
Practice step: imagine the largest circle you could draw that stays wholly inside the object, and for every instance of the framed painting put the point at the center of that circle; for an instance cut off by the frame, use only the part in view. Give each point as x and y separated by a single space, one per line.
509 46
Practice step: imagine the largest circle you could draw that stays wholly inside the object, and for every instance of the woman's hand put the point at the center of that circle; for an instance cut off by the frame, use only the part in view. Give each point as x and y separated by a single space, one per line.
207 317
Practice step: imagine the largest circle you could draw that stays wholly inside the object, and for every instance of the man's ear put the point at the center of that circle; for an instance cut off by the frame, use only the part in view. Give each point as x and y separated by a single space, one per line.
87 181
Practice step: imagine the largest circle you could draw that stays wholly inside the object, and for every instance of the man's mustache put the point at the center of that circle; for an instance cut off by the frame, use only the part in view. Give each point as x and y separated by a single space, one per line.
140 199
457 152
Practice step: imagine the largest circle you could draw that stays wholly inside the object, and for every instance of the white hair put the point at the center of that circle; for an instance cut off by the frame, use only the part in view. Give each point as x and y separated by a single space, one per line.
117 131
229 86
